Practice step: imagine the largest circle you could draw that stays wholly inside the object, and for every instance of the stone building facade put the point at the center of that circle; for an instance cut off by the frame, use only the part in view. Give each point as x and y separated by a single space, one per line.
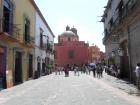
121 35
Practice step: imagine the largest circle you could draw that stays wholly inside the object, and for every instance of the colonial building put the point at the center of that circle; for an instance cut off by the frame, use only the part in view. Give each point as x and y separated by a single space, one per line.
102 56
17 40
121 35
69 50
95 55
44 40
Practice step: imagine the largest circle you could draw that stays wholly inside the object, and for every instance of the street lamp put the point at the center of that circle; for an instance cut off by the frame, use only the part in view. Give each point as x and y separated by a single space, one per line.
120 52
113 53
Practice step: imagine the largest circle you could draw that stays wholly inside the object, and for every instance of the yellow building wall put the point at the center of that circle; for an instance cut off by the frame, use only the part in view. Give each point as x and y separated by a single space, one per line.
25 8
22 8
10 66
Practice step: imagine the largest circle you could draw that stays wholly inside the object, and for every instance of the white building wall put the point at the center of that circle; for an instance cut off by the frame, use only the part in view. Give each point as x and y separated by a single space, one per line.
39 52
51 39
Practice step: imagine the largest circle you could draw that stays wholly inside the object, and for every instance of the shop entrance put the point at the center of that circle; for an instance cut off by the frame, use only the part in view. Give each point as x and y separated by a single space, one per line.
124 61
18 68
2 69
30 66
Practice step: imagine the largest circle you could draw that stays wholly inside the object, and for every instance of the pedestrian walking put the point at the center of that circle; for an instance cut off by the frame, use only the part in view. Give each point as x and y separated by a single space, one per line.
137 70
99 71
62 69
87 69
67 70
94 70
56 69
76 71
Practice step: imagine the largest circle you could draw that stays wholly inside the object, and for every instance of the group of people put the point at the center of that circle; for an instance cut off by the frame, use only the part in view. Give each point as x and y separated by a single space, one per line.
59 70
96 69
113 70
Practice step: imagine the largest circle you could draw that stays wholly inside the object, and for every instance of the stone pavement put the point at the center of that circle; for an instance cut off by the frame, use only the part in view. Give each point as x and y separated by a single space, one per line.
126 86
72 90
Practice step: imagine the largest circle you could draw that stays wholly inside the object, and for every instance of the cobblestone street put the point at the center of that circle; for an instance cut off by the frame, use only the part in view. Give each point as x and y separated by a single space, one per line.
72 90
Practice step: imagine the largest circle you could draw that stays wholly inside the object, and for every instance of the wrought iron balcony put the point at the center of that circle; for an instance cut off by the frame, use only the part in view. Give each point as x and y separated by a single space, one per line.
48 47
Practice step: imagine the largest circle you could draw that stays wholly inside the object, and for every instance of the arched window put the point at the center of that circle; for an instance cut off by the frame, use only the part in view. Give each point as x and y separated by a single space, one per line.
7 16
26 30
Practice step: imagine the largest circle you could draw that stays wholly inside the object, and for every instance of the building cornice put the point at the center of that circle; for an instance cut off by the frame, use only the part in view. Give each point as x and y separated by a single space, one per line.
7 38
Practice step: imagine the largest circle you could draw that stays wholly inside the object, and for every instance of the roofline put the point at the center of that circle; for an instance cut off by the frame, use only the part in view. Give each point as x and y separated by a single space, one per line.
40 14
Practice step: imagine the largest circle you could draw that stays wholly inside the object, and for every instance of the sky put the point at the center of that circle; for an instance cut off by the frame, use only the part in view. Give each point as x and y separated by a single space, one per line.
84 15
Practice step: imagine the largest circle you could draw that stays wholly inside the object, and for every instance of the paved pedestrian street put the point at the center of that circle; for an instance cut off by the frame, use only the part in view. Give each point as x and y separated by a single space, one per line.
72 90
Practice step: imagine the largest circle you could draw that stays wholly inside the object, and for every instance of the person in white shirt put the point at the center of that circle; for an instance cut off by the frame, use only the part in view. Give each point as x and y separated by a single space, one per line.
138 75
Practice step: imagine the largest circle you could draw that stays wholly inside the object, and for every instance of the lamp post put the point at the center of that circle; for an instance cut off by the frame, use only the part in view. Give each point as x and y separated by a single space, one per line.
113 53
120 52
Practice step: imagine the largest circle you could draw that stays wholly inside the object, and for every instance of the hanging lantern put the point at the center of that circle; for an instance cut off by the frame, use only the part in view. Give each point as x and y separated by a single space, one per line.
120 52
113 53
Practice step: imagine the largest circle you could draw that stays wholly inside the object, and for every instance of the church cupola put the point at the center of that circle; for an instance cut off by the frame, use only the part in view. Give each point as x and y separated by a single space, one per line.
67 28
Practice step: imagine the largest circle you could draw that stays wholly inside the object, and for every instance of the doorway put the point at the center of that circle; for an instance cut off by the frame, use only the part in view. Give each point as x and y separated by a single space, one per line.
124 61
2 70
43 68
30 72
18 68
38 68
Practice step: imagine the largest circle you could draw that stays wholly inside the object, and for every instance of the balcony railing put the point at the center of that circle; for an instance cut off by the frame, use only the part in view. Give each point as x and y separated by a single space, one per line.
126 11
48 47
29 39
13 30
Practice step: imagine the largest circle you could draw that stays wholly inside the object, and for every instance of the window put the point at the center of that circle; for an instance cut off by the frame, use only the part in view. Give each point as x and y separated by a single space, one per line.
120 8
111 22
110 4
106 33
71 54
105 15
68 38
7 16
26 30
41 38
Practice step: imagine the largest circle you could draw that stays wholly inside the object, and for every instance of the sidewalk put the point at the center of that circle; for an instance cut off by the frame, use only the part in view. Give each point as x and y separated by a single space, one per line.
121 84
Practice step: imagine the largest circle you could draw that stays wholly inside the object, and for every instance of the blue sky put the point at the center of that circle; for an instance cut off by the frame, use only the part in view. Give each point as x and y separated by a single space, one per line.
84 15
